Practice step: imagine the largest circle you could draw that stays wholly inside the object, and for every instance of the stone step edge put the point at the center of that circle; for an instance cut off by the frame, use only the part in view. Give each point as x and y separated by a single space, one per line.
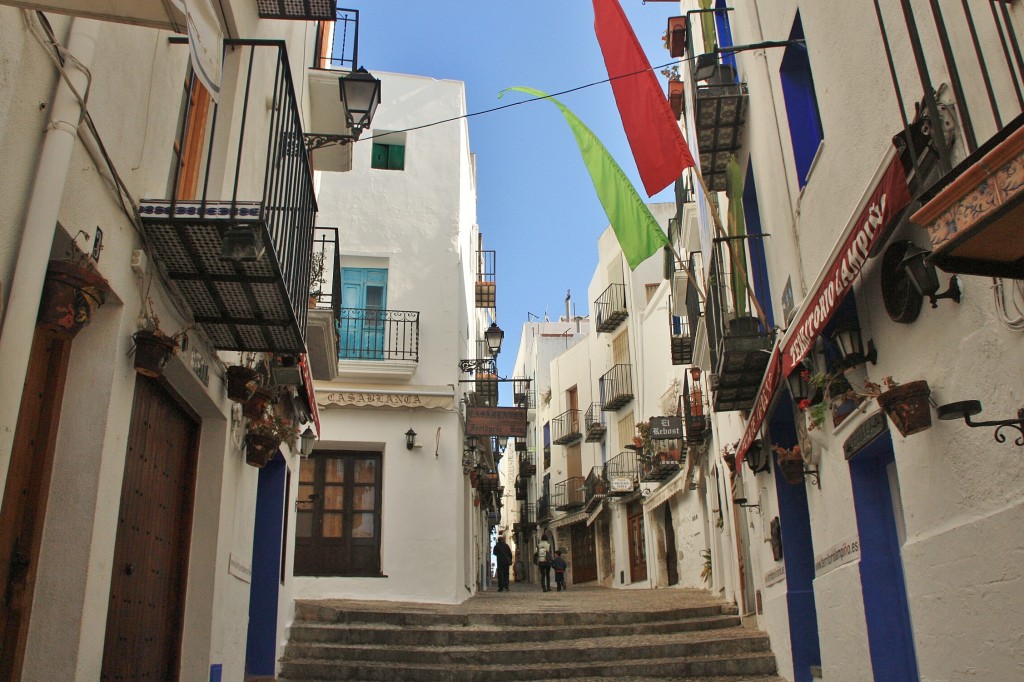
617 678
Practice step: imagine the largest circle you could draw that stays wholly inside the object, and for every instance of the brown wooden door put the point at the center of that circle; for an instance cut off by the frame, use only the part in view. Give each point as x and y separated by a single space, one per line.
637 545
584 553
26 492
671 556
154 529
338 521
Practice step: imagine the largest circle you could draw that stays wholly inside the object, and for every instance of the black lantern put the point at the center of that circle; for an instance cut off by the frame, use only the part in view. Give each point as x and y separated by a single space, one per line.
410 439
757 457
847 338
923 276
242 244
360 95
707 66
494 336
799 389
306 441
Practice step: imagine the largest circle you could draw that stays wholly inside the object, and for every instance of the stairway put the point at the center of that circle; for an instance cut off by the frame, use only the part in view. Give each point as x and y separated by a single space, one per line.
702 642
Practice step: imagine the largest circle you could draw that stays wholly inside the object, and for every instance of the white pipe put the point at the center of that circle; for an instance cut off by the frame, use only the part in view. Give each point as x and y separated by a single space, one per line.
41 216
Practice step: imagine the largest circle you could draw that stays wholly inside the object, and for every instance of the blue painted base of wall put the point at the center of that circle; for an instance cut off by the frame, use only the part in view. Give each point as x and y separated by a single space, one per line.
261 643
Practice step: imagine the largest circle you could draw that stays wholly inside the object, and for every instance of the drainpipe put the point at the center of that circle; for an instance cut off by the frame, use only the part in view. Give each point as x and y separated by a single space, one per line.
41 216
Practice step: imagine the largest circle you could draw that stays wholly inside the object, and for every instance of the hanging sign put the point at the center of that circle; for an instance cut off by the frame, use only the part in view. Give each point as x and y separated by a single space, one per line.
666 428
496 421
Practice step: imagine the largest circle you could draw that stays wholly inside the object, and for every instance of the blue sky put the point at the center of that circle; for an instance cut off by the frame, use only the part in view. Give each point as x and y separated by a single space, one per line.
536 205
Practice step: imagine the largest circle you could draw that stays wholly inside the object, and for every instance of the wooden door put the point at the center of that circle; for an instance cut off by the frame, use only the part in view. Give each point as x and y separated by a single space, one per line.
190 148
338 520
154 529
584 553
637 544
26 492
573 401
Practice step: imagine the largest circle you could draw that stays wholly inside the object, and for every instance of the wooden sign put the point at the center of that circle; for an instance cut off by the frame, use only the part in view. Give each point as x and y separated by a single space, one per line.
666 428
496 421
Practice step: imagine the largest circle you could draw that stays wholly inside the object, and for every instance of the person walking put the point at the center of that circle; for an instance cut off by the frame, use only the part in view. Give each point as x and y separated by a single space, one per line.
559 565
544 563
503 553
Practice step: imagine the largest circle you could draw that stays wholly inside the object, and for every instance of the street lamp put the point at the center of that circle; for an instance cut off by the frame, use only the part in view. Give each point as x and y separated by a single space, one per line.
360 95
494 336
306 441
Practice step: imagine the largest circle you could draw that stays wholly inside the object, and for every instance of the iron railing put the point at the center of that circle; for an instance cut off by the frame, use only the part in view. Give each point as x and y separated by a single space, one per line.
523 394
522 489
369 334
528 514
568 494
304 10
565 428
544 508
616 387
486 292
527 463
595 487
337 42
623 473
610 308
595 422
694 408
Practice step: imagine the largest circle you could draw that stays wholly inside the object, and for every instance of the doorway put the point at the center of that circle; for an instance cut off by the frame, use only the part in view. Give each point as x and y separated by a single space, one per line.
584 553
637 542
671 556
150 566
267 568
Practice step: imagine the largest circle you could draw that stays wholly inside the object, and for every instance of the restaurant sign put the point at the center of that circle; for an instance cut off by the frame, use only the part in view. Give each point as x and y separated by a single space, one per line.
496 421
666 428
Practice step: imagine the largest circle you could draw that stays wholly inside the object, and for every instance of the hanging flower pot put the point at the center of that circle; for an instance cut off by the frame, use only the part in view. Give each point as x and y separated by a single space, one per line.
241 383
260 449
790 463
71 294
908 407
152 350
253 407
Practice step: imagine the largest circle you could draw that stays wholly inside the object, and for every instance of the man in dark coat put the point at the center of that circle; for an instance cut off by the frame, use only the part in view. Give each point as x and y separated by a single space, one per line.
503 553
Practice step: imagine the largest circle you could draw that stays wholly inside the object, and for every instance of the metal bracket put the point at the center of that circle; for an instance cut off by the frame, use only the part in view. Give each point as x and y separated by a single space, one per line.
318 140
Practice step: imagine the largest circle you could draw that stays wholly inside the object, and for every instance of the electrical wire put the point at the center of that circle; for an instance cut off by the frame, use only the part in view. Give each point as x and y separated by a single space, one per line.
1016 299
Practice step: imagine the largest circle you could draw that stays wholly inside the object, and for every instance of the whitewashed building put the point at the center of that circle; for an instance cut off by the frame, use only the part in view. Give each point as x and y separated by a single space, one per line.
876 536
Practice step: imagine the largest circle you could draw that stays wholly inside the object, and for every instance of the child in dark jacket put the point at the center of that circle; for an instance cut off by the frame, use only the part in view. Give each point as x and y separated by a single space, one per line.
559 565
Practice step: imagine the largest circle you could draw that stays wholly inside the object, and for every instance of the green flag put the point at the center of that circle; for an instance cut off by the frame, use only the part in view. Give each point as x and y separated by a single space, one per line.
737 228
638 232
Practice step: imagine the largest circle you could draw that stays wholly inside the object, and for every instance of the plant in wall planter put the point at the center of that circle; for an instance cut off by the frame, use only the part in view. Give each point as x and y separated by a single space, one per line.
257 403
791 463
264 436
908 406
153 348
243 380
72 292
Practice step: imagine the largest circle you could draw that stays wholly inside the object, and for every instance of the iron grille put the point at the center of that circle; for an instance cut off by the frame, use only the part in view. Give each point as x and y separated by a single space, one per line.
616 387
303 10
486 292
623 473
595 423
565 428
568 494
369 334
337 41
610 308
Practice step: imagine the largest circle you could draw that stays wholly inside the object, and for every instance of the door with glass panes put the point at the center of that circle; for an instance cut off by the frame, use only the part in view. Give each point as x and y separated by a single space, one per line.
364 303
337 520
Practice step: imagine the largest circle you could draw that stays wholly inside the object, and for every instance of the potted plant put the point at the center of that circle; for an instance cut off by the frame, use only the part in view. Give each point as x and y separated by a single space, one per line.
705 572
908 406
257 402
153 348
729 455
317 269
264 436
243 379
791 463
72 292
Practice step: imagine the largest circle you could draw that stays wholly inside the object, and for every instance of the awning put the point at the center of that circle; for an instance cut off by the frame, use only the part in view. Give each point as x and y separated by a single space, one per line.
328 396
882 204
568 520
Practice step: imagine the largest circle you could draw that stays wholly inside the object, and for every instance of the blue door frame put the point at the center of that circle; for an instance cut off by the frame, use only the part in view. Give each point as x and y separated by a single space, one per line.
267 546
890 634
798 551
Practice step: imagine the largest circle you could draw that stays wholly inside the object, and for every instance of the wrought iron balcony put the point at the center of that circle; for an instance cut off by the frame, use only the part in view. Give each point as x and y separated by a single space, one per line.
740 345
261 190
565 428
693 406
369 334
610 308
522 489
528 516
616 387
486 292
324 311
661 465
623 473
527 463
523 394
543 509
595 488
568 494
972 208
302 10
595 422
336 55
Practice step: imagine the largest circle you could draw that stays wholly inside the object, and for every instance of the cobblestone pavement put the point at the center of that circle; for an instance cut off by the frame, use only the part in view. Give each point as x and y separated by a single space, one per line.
527 598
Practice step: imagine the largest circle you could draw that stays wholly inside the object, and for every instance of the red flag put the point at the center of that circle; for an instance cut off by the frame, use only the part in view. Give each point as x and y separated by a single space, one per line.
658 147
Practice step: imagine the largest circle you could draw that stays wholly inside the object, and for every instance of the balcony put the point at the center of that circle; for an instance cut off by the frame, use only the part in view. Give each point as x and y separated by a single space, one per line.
663 464
324 312
543 509
527 463
568 494
616 387
523 394
610 308
565 428
595 422
486 292
527 517
740 346
302 10
693 406
336 55
684 311
379 336
522 489
595 488
250 180
623 473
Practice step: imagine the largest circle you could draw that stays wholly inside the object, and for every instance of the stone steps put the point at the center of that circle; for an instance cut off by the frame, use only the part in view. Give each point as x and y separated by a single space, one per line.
533 638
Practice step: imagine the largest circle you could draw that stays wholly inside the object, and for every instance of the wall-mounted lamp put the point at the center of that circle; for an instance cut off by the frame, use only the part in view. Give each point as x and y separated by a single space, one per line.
799 389
923 276
847 338
242 244
410 439
706 66
757 458
306 441
742 502
360 94
494 336
968 408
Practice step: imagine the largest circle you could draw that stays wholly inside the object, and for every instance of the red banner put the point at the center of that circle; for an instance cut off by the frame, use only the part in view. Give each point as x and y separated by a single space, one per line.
889 197
885 202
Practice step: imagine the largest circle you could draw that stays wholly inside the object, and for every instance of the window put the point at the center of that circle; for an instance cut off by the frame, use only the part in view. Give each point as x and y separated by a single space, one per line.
620 348
627 429
388 156
805 129
190 144
364 301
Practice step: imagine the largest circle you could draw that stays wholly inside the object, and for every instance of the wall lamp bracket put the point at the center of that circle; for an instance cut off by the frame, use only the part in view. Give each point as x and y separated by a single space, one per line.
813 473
742 502
482 366
968 408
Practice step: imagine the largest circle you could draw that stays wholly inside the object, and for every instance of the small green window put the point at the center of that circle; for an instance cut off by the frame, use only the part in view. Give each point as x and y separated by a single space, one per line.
388 156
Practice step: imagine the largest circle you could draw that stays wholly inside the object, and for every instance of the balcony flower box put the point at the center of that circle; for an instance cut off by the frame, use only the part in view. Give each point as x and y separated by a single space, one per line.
675 36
